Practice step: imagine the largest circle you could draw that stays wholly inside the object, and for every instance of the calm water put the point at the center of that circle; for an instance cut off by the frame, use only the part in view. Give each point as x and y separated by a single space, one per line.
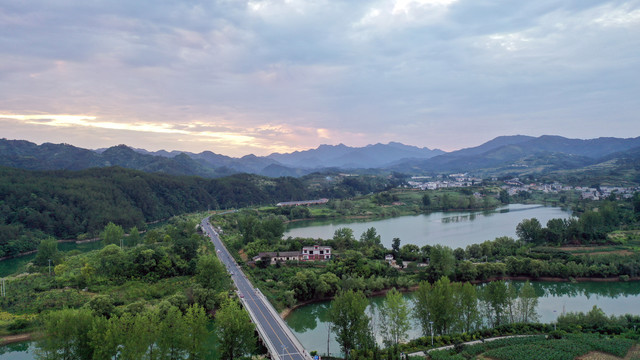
26 350
20 351
309 323
454 229
10 266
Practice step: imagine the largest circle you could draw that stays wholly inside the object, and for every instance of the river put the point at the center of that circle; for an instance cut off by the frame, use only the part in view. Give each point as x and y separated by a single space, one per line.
11 266
309 323
453 229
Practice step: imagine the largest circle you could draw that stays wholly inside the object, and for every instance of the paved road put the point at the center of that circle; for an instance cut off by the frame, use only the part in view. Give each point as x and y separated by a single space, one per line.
270 324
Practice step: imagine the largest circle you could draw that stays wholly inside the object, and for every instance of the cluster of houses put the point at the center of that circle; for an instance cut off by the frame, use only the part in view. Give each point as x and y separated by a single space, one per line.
451 181
308 253
303 202
514 186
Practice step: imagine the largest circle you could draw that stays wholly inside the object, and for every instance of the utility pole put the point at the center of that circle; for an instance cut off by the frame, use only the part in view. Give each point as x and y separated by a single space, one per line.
49 266
3 292
328 337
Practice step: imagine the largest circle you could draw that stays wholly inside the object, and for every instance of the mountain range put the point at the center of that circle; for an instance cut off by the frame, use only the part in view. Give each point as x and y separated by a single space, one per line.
504 154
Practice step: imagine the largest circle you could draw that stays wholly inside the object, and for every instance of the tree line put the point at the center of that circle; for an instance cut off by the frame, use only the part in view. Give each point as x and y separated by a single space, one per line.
159 332
440 308
68 204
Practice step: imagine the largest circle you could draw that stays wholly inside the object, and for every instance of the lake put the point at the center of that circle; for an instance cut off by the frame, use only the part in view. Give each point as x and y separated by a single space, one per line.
453 229
309 323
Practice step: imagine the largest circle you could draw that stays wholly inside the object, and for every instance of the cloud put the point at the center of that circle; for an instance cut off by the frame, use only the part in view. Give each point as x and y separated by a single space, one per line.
289 74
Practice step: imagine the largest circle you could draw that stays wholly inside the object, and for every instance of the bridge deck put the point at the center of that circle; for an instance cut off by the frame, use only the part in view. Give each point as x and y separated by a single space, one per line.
275 334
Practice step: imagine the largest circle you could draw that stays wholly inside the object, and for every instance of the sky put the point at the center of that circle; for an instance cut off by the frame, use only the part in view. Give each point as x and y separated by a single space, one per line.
238 77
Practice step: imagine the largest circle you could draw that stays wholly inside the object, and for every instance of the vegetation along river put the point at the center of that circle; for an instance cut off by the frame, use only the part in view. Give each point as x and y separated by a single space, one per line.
309 322
453 229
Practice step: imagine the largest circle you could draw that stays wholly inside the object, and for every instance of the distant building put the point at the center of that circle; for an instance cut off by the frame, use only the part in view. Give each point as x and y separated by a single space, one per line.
308 253
388 258
303 202
278 256
316 252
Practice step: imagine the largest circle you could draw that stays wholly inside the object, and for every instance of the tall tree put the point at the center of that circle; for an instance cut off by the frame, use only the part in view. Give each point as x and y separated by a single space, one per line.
171 333
423 307
443 306
134 236
394 318
343 238
495 295
441 262
370 237
350 322
527 303
47 250
66 335
211 274
529 230
112 234
466 300
235 330
395 246
195 320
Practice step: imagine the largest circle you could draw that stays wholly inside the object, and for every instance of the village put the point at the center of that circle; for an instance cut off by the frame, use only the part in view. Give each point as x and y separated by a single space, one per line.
515 185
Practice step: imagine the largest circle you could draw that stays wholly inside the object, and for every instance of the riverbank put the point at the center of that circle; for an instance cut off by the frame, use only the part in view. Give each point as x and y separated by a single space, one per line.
286 312
16 338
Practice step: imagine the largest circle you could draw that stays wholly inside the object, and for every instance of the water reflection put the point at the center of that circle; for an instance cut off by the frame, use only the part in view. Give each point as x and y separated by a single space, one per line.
454 229
310 323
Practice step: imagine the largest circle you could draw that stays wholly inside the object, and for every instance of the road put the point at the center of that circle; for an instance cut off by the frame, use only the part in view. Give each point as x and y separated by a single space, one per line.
271 327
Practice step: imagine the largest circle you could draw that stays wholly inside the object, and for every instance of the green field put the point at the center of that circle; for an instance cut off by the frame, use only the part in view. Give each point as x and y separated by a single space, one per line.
540 347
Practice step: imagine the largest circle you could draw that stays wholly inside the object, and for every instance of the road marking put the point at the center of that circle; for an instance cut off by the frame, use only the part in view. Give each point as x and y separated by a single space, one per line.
272 329
263 315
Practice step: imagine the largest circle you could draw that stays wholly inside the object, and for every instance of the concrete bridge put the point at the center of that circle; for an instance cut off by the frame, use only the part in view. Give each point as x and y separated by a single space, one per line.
274 333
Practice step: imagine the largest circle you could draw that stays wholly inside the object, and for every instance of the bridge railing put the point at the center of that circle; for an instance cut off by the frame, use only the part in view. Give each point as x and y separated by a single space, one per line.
263 335
285 328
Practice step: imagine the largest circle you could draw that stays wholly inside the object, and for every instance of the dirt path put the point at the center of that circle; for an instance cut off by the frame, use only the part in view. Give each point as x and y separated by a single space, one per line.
10 339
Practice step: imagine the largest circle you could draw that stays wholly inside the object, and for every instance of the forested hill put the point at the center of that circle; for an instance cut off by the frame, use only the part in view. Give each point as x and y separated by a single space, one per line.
64 204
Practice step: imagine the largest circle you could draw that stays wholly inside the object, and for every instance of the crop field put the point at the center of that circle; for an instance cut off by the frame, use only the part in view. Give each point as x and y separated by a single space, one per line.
570 347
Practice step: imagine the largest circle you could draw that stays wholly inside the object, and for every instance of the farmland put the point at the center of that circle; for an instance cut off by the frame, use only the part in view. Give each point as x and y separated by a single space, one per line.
568 347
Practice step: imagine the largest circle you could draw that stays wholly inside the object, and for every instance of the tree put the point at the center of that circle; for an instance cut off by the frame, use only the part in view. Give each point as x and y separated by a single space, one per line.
66 335
395 246
187 246
426 201
129 330
343 238
134 237
349 321
48 250
211 274
496 296
555 231
527 303
529 230
466 300
235 330
410 252
441 262
195 320
394 318
370 237
443 306
171 332
112 234
504 197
